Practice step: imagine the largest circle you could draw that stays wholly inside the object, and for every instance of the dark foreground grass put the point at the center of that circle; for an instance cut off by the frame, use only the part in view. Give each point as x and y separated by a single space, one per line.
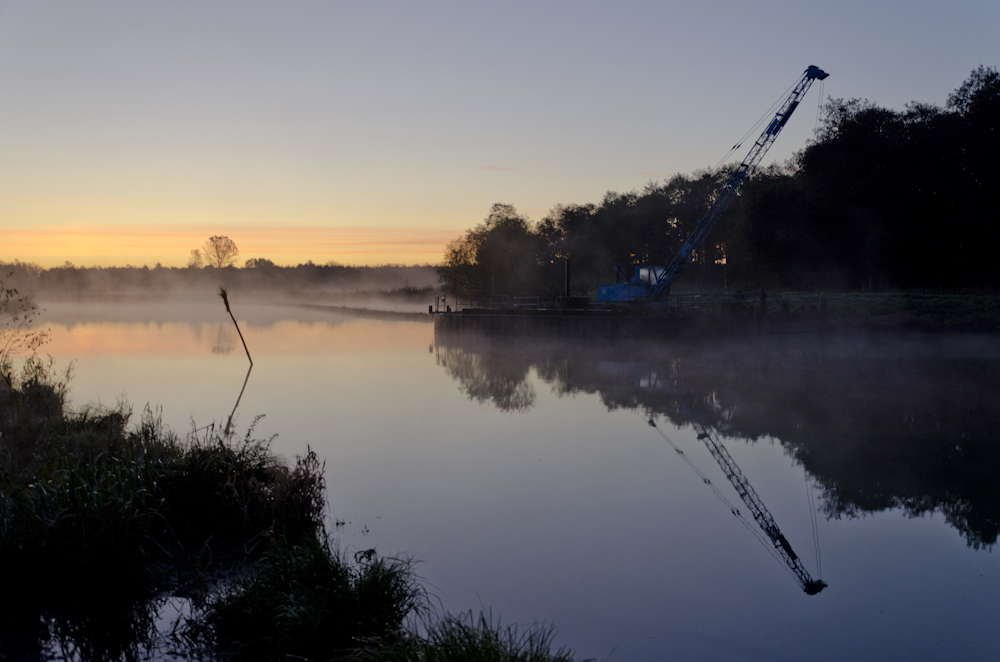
84 499
466 638
311 603
308 602
101 520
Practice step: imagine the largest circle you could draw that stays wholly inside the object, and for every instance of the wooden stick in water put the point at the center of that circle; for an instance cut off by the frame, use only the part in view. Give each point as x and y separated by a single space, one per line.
225 299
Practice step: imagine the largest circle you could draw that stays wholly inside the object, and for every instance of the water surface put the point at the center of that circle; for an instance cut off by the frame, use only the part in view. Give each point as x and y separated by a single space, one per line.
524 475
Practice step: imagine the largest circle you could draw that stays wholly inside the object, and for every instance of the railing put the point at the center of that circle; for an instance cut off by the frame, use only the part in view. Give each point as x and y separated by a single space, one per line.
506 302
527 302
495 302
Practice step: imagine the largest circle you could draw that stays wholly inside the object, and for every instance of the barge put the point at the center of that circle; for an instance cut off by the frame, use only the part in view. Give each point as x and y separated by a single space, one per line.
683 316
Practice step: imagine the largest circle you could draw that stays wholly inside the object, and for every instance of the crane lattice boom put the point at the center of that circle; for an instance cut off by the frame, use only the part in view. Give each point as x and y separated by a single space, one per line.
725 197
653 283
758 510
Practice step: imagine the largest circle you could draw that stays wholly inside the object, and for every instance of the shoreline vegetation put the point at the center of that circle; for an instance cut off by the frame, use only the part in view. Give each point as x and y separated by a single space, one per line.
105 524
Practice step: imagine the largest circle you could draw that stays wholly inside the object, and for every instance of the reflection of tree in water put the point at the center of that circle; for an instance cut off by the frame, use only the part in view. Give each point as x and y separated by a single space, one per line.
490 378
223 341
879 424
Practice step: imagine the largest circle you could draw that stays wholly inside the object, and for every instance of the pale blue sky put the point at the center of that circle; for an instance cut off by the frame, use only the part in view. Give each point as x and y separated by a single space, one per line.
394 116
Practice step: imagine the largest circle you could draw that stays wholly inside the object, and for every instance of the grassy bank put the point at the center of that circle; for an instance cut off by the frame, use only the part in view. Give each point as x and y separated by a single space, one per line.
925 310
946 310
85 498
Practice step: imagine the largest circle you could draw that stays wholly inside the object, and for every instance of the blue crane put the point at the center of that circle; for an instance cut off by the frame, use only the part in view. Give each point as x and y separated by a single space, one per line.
653 283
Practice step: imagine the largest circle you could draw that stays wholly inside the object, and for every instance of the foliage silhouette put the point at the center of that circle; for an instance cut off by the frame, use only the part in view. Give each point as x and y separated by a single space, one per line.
220 251
880 200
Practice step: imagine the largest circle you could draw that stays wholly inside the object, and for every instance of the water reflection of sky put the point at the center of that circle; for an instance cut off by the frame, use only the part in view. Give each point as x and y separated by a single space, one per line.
561 511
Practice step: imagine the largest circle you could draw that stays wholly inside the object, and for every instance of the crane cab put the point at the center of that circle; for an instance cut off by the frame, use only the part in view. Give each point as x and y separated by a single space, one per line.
636 288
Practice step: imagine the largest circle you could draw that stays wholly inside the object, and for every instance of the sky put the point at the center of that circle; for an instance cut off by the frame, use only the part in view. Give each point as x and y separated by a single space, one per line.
373 132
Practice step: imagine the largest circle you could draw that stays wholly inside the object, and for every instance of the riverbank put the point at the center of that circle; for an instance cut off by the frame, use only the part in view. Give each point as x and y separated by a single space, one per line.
731 314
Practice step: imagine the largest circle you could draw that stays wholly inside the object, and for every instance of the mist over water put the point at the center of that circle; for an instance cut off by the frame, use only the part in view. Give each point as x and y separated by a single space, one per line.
525 477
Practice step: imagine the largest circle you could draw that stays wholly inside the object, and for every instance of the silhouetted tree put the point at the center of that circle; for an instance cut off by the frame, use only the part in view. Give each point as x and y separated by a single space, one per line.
505 254
881 199
637 227
220 251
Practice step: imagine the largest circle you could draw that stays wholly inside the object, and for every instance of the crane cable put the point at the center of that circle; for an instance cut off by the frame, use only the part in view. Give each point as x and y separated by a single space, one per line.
815 525
819 106
764 542
753 129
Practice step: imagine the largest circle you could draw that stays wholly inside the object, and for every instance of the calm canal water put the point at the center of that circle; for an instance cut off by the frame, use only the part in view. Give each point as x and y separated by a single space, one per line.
524 475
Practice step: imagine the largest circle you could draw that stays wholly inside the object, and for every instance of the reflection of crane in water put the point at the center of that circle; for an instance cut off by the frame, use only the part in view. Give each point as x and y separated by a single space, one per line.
749 496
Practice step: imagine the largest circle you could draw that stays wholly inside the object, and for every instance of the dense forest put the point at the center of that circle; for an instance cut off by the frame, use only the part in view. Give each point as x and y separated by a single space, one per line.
880 199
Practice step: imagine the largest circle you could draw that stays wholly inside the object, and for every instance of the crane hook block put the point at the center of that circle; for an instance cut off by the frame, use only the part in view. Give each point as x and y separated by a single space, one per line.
815 586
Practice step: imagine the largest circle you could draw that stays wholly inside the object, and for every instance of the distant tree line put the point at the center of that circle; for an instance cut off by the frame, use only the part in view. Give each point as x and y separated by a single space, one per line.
880 199
259 275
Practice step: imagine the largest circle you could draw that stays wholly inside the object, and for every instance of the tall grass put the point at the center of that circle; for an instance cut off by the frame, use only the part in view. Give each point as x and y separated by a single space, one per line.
307 603
311 603
84 499
98 518
466 638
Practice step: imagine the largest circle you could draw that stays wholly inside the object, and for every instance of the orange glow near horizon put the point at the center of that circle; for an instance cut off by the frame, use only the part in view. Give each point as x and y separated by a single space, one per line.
185 339
171 246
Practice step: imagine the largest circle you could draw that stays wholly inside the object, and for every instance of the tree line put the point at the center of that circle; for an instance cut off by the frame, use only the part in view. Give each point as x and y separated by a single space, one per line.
260 275
880 199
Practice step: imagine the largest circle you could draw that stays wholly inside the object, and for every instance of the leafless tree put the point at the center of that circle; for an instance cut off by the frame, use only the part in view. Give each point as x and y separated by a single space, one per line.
220 251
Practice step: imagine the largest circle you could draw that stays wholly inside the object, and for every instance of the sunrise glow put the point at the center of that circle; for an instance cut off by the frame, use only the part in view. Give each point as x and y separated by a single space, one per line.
171 246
